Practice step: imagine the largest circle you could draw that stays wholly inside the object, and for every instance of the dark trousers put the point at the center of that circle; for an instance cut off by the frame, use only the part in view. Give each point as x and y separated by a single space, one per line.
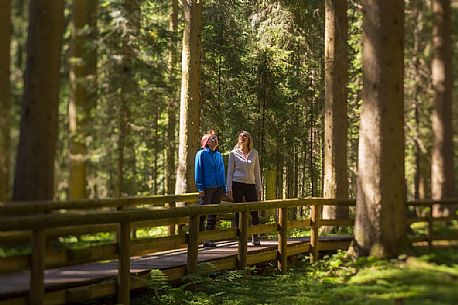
211 196
248 191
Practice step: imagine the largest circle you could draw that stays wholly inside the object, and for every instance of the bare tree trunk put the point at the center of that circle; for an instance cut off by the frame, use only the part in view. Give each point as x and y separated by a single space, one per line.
380 226
442 180
5 99
38 133
336 121
172 106
82 83
190 98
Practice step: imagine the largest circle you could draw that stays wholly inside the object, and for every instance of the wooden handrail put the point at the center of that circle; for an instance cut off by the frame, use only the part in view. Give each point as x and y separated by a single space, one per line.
89 218
33 207
430 202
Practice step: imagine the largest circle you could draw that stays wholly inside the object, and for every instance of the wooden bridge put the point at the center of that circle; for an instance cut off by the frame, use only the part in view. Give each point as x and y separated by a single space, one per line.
61 276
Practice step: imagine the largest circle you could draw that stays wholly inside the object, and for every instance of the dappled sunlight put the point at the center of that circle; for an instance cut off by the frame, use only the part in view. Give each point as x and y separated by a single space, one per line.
337 280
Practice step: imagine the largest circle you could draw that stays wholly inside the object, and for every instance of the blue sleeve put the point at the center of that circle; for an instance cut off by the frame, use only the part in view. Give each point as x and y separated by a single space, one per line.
222 173
198 174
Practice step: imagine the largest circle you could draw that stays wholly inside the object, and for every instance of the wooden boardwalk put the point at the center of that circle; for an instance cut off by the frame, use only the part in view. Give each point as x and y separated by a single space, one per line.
172 263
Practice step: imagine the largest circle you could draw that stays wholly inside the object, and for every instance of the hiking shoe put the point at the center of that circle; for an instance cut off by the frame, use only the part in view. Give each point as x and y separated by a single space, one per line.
209 244
256 242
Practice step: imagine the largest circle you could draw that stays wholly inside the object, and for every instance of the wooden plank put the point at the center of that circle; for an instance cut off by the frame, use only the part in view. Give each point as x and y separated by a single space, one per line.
412 220
88 292
261 257
17 237
216 235
193 244
35 207
334 245
282 262
299 224
262 229
314 244
15 301
124 264
78 256
431 202
37 268
243 240
299 248
153 245
336 222
14 263
89 218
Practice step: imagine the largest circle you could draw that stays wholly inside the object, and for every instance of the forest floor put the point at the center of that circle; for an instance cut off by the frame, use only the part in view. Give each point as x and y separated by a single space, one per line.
430 278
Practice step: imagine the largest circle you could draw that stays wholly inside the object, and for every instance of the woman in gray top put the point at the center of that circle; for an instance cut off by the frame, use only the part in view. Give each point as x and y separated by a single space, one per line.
244 176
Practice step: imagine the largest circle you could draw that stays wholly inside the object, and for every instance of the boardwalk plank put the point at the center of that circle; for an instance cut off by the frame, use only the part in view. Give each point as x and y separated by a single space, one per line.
18 283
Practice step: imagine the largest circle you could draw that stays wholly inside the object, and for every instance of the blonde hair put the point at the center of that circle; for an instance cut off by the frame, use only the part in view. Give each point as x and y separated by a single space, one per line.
250 140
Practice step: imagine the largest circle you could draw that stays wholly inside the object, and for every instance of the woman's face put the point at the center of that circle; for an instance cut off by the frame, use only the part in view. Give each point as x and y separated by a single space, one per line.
243 138
212 142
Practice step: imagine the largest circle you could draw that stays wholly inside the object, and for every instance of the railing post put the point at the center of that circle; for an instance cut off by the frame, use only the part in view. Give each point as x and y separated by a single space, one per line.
171 228
124 263
314 233
430 227
193 244
243 240
282 255
37 268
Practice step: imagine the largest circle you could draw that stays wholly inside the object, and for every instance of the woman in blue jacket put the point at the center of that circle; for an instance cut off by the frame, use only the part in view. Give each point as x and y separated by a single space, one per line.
210 178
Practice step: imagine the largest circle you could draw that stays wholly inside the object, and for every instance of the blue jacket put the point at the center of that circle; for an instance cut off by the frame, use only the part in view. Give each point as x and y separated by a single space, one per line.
209 170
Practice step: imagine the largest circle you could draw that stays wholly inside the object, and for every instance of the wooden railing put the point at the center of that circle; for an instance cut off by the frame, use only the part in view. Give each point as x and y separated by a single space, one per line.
91 216
432 237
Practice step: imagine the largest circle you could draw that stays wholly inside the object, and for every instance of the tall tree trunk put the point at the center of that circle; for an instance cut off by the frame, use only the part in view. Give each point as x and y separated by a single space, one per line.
127 89
82 82
5 99
380 226
38 132
442 180
336 121
419 7
172 106
190 99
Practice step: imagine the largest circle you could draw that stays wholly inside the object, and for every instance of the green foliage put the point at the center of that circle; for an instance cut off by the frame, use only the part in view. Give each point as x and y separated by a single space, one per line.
333 280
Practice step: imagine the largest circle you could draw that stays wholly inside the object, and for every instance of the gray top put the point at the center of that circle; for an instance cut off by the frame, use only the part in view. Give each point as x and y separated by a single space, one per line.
245 170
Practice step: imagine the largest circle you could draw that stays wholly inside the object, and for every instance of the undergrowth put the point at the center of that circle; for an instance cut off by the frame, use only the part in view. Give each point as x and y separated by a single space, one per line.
429 279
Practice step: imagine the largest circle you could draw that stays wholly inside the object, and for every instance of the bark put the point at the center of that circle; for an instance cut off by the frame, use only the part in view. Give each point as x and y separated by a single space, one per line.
336 121
442 180
82 84
5 98
190 99
380 226
172 106
38 131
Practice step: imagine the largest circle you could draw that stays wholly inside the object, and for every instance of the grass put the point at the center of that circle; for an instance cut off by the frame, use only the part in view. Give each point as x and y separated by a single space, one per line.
429 279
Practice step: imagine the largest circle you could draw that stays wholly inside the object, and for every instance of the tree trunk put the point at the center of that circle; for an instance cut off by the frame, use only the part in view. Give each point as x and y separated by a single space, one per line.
336 121
442 155
128 90
5 99
172 106
38 132
82 83
190 99
380 226
417 49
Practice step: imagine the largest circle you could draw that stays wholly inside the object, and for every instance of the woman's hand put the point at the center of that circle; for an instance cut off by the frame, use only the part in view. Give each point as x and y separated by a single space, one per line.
229 195
201 194
258 193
